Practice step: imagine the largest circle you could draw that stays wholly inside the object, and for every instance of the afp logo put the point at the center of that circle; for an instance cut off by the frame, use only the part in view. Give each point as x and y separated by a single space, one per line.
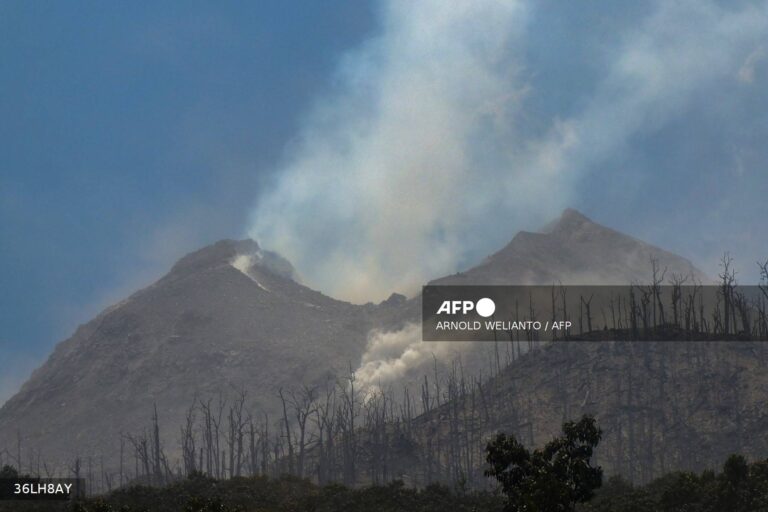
485 307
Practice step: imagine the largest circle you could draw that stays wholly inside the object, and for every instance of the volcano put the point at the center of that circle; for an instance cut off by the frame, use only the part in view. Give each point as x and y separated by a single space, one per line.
233 317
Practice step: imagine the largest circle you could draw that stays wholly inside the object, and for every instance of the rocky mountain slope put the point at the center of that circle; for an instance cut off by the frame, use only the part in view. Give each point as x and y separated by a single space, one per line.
231 317
662 406
573 250
225 318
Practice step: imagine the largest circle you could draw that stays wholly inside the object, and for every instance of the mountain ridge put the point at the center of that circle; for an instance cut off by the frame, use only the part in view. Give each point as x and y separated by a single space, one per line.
573 249
231 316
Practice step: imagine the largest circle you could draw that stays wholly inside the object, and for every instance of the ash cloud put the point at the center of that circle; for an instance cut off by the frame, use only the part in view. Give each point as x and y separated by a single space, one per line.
422 159
392 173
392 356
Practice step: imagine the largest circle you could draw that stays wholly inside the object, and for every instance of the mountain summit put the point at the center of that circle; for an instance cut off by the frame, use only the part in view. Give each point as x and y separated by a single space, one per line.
574 250
227 317
232 316
569 220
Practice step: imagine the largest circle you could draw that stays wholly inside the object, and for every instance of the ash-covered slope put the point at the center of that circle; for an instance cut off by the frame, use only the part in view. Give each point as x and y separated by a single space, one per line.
570 250
225 318
574 250
662 406
230 317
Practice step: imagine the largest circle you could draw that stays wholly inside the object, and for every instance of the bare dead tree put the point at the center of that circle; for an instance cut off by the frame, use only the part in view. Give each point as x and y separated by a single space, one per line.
142 454
122 449
426 402
253 447
741 306
436 380
303 405
235 433
217 427
208 444
75 470
677 281
287 427
324 420
658 303
161 470
588 310
188 446
763 278
727 282
347 414
564 304
18 451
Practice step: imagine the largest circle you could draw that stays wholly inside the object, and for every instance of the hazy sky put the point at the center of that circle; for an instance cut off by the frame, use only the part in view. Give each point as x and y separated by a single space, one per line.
131 133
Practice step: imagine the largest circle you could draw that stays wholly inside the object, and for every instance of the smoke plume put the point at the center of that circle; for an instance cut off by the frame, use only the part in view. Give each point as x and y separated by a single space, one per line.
420 159
392 175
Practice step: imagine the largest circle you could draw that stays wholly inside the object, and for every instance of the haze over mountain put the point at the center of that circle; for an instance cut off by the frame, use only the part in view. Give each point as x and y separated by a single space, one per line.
662 406
231 316
205 328
574 250
570 250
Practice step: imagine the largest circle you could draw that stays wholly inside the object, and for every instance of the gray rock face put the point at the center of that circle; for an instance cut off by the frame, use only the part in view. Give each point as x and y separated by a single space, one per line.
573 250
205 328
231 316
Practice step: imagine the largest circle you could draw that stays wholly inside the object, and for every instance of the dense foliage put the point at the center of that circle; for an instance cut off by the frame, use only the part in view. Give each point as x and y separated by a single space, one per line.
739 487
557 477
262 494
553 479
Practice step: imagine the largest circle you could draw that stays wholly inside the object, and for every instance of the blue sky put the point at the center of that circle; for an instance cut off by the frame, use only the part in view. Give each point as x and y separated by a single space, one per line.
132 133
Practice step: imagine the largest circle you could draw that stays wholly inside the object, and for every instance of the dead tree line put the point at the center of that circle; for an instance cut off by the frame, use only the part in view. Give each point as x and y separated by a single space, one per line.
339 433
343 432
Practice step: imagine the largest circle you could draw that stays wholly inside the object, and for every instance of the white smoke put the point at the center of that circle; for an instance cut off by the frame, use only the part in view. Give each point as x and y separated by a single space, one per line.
391 175
413 161
243 263
391 356
419 156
